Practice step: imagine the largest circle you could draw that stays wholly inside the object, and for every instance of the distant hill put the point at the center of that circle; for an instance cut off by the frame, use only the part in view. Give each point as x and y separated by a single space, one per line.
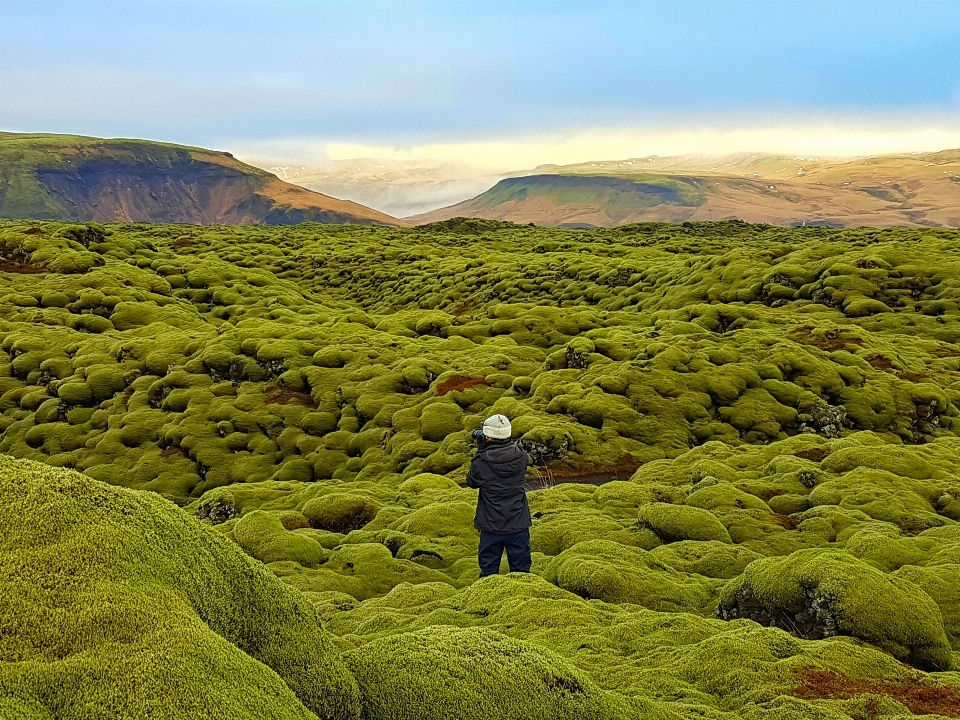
921 189
67 177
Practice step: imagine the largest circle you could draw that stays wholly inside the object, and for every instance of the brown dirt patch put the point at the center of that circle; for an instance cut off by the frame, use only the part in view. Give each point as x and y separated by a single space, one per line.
880 362
279 395
459 382
20 268
172 452
581 471
183 242
814 454
836 339
920 697
575 469
786 521
294 521
913 376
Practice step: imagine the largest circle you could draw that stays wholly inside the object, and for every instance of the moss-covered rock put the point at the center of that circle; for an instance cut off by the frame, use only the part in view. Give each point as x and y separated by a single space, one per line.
616 573
818 593
672 523
441 672
122 602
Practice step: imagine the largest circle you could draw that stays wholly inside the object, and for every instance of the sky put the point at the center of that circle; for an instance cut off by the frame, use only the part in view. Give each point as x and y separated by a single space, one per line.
489 83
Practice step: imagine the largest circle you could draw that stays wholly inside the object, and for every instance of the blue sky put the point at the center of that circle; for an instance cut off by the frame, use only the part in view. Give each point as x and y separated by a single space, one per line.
397 75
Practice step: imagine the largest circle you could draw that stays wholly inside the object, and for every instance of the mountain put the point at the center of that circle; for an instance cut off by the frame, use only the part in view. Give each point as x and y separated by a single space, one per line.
67 177
920 189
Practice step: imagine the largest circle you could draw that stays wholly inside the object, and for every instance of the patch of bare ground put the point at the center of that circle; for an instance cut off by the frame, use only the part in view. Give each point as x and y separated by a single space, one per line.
787 522
280 395
829 341
919 696
814 454
580 471
459 382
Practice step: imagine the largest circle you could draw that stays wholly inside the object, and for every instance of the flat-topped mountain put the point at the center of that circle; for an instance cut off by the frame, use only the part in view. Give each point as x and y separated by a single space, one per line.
69 177
920 189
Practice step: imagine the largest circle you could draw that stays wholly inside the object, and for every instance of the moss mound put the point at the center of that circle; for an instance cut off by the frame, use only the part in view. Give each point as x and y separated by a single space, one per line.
700 402
472 673
612 572
682 522
116 602
825 593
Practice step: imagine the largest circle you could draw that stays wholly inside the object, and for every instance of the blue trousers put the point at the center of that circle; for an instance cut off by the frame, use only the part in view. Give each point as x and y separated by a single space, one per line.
491 550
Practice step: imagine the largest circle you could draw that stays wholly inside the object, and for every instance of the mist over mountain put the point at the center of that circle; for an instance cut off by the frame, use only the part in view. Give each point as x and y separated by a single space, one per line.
396 187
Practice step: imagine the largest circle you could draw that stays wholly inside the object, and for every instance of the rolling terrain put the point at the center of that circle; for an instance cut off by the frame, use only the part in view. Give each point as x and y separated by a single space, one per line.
232 467
68 177
917 190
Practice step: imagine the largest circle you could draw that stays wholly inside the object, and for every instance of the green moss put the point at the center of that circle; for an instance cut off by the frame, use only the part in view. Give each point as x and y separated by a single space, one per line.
682 522
340 512
123 602
616 573
711 559
331 375
470 673
830 592
263 536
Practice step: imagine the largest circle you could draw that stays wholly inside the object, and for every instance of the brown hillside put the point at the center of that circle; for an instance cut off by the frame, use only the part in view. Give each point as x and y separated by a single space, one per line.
896 190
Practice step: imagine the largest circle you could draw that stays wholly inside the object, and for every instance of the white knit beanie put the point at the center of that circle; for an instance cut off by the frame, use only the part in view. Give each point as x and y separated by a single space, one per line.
497 427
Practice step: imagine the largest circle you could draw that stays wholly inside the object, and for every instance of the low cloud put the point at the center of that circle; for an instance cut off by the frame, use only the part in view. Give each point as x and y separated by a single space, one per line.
843 138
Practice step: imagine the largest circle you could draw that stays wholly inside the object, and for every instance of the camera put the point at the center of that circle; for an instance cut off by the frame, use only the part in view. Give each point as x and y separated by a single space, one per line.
478 436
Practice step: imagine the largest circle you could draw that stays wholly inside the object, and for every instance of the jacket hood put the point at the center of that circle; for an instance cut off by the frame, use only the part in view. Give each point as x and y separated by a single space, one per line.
504 457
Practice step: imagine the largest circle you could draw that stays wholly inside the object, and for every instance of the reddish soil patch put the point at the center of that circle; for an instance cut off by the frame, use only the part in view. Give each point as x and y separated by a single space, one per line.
294 521
815 454
625 466
880 362
829 341
183 242
920 697
278 395
463 308
21 268
580 471
786 521
171 451
459 382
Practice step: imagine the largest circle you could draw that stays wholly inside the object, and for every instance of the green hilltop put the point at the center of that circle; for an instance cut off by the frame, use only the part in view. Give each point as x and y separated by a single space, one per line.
233 464
69 177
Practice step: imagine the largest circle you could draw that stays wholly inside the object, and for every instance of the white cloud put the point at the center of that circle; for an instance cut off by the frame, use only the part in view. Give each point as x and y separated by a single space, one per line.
836 138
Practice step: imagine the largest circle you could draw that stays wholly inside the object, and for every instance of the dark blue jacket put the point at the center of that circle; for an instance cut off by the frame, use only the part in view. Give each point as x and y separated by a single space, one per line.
498 470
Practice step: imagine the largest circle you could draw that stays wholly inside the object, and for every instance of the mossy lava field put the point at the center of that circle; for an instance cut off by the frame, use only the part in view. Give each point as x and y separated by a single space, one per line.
232 465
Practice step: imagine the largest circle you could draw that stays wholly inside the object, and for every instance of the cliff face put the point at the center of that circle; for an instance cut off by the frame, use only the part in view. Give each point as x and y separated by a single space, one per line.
74 178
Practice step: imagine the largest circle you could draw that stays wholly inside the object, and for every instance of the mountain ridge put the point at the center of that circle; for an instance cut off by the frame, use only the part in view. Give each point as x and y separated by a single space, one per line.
72 177
919 189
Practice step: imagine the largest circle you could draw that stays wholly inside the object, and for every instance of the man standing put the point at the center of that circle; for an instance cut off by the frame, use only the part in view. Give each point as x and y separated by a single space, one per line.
503 515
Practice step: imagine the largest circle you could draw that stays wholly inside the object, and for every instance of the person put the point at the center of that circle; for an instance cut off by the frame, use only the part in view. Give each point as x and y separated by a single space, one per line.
498 470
